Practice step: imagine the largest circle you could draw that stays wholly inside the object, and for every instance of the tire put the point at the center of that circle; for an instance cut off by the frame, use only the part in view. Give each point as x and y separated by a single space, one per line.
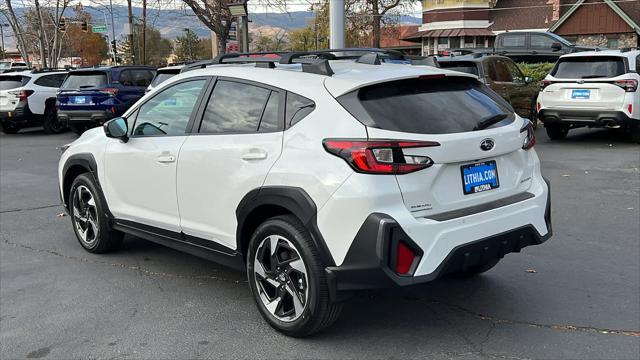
557 132
635 135
477 270
284 278
89 219
10 129
78 129
51 124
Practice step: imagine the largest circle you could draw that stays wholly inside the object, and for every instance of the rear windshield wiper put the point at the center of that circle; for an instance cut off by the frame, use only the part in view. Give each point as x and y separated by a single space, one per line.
485 123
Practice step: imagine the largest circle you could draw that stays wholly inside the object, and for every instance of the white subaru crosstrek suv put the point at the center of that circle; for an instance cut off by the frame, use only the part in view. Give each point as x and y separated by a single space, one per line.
594 89
28 98
318 176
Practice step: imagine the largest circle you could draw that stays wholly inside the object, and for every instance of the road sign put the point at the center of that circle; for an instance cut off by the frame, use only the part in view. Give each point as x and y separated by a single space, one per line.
102 29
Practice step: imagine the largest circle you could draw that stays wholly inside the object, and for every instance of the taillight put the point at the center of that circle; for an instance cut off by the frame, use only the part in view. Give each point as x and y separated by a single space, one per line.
538 107
109 91
544 84
530 139
630 108
629 85
380 156
405 257
22 94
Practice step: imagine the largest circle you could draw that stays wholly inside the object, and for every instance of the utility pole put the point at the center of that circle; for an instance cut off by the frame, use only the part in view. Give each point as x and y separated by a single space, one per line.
143 51
336 24
131 44
2 36
113 34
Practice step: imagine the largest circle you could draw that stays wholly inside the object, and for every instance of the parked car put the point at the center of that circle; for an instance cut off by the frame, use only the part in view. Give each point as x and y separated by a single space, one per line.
28 98
527 46
503 76
164 74
317 177
594 89
9 66
91 96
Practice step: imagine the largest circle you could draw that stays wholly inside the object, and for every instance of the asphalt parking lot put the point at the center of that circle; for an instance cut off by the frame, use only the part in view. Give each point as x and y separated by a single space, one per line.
575 297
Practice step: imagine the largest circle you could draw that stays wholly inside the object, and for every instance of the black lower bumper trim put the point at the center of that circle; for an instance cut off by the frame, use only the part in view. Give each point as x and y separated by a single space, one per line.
84 116
593 118
366 265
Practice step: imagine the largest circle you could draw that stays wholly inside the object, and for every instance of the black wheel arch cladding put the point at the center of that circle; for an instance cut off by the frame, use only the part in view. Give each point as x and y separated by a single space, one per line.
279 200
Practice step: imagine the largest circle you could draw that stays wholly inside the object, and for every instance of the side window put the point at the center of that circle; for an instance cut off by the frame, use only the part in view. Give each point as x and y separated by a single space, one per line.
515 73
541 42
53 81
297 107
168 113
515 40
236 108
126 78
142 77
501 72
271 119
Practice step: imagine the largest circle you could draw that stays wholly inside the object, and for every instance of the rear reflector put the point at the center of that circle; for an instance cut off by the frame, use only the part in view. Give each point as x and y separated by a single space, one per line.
405 258
530 139
380 156
630 108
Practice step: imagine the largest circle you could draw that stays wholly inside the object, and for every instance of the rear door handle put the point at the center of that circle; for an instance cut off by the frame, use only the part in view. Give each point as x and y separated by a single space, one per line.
255 155
166 159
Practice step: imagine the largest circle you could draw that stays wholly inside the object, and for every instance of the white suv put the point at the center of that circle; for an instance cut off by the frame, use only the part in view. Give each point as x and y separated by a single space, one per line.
28 98
594 89
318 177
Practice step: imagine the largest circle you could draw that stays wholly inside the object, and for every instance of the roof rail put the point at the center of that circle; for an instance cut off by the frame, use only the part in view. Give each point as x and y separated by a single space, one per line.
45 70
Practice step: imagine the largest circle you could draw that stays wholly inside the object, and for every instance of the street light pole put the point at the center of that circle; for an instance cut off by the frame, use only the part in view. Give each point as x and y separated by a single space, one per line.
2 36
336 24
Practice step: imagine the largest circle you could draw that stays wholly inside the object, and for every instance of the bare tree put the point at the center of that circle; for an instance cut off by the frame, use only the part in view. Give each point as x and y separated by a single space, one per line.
42 34
216 16
17 30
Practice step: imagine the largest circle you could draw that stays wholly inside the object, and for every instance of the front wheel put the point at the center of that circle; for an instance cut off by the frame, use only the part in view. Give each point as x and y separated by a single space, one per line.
287 278
557 132
88 216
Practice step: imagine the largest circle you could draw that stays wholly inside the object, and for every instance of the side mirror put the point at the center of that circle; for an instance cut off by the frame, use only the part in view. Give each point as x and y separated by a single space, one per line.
556 46
528 80
117 128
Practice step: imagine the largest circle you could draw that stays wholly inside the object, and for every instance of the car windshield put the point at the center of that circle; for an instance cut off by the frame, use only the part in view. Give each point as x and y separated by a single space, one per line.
561 39
12 82
589 67
429 106
462 66
85 79
163 76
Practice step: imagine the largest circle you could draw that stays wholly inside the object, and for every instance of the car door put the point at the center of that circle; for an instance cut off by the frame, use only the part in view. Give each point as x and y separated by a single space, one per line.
238 141
140 174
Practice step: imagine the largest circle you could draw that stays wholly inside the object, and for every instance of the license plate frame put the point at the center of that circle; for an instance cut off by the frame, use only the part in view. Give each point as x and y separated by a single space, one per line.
482 181
581 94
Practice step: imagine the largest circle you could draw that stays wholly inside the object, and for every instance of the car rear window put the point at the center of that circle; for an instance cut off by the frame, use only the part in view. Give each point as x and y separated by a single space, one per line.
589 67
164 75
462 66
12 82
427 106
85 79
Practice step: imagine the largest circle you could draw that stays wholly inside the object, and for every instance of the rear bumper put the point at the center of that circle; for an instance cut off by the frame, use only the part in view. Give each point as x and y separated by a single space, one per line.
592 118
94 117
369 260
20 116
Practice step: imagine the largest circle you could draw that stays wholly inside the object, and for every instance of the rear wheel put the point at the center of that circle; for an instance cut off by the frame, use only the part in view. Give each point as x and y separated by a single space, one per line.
287 278
88 216
557 132
10 129
51 123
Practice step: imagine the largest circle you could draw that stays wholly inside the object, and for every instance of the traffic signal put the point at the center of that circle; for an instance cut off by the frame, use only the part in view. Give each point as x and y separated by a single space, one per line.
114 46
62 25
85 25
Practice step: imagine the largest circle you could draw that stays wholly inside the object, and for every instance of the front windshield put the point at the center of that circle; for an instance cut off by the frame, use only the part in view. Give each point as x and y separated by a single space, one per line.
561 39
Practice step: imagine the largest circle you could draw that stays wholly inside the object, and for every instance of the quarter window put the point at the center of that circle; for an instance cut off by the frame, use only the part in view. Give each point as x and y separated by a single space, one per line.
297 108
241 108
140 78
168 113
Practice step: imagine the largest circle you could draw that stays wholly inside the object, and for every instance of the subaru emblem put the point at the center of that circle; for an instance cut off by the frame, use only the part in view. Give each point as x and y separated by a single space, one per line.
487 144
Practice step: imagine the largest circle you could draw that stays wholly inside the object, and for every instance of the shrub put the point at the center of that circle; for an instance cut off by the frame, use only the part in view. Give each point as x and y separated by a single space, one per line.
536 71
